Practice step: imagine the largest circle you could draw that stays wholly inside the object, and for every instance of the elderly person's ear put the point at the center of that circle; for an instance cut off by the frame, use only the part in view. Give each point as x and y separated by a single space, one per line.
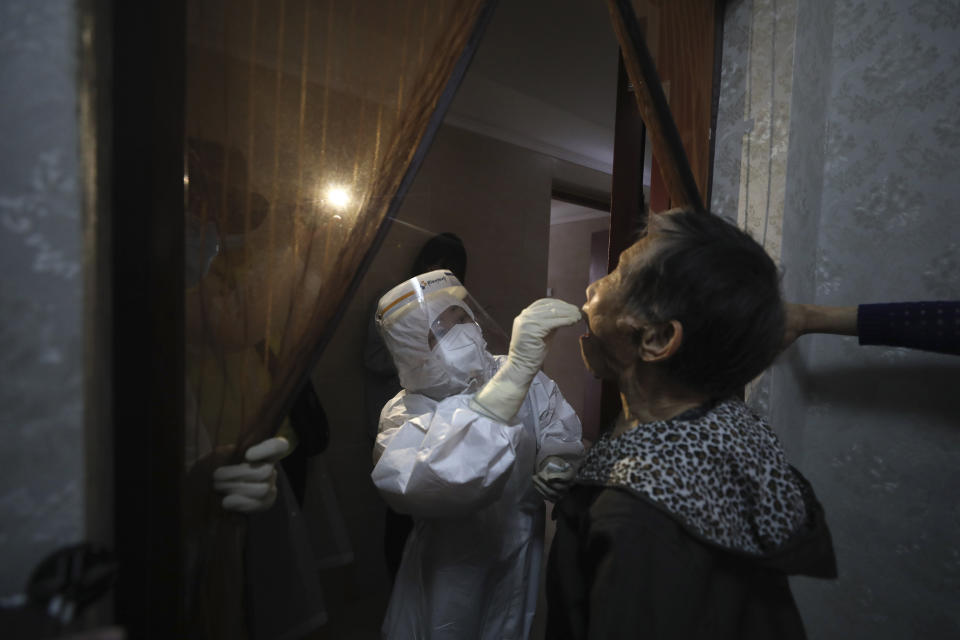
657 340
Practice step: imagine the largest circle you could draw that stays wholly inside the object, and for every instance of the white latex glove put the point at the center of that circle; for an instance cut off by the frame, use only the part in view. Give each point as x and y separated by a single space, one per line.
554 478
502 396
251 486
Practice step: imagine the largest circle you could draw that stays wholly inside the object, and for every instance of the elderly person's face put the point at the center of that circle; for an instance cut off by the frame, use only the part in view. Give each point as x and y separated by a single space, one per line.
607 347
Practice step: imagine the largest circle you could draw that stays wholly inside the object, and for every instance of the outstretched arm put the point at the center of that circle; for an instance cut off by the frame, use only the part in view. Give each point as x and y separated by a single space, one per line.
812 318
930 326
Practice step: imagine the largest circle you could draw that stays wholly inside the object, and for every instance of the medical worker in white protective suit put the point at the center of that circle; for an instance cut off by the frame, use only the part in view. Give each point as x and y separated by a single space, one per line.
464 448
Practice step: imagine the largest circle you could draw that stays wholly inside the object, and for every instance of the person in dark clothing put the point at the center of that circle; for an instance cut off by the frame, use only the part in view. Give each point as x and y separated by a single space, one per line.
685 518
442 251
309 421
928 326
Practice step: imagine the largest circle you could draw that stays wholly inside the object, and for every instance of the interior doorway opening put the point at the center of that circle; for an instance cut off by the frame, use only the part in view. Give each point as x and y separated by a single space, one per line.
577 255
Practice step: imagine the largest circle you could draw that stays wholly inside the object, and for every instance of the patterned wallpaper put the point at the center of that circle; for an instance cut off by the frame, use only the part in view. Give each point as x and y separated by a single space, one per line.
868 213
883 437
41 401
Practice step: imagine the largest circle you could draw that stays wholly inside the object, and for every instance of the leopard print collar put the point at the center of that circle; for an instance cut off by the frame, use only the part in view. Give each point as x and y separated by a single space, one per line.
719 472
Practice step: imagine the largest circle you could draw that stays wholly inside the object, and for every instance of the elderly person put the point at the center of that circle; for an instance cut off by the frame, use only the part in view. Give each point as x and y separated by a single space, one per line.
685 518
464 448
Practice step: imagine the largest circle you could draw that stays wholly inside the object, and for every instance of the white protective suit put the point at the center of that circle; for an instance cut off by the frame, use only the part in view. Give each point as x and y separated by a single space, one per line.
471 566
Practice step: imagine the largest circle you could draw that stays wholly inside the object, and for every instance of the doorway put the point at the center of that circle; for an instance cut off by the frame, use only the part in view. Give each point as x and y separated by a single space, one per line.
579 241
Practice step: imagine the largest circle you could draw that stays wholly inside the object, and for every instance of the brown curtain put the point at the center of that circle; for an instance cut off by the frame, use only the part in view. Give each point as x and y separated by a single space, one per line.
302 119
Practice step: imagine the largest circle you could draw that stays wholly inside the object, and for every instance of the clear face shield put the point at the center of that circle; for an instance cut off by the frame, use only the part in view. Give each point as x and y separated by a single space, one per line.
440 338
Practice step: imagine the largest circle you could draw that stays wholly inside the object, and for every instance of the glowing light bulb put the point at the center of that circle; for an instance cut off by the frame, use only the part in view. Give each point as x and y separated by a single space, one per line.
338 197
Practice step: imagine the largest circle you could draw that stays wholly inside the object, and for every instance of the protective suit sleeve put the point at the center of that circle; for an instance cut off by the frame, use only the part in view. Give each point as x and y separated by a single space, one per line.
443 460
559 431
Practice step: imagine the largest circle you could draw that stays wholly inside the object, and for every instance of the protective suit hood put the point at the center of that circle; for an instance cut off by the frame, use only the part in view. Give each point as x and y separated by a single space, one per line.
458 361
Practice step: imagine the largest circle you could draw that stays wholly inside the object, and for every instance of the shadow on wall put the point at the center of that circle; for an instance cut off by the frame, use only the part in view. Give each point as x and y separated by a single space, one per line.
905 390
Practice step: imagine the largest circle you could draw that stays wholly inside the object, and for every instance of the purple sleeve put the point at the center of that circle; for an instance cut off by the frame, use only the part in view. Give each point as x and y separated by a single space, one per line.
930 326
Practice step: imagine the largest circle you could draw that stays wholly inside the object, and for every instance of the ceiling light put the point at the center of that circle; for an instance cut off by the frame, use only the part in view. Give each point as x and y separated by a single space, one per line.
338 197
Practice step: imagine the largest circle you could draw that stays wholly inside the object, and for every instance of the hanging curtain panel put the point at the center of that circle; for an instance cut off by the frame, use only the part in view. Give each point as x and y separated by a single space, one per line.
303 119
